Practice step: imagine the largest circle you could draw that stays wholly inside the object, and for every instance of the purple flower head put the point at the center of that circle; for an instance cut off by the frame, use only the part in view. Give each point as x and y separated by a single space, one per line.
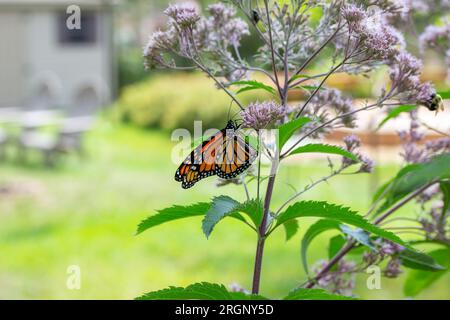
405 72
370 34
262 115
433 222
352 142
328 104
340 281
236 75
438 145
370 257
367 164
220 12
221 30
183 15
381 39
353 14
393 268
435 36
236 287
425 93
158 43
388 248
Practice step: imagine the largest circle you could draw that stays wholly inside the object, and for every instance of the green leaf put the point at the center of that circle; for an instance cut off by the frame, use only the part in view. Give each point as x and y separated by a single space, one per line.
314 294
395 112
359 235
253 209
313 231
173 213
444 94
290 228
417 260
221 207
419 280
415 176
224 206
381 190
299 76
197 291
340 214
335 245
288 129
253 85
325 148
445 188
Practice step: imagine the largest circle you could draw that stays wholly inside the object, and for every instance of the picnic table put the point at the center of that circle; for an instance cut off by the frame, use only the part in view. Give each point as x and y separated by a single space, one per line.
28 134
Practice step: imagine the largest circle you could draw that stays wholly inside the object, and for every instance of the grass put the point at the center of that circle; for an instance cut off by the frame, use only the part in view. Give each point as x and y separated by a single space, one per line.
85 213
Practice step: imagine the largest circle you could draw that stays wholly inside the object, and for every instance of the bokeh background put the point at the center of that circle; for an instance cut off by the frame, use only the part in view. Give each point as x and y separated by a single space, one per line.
86 155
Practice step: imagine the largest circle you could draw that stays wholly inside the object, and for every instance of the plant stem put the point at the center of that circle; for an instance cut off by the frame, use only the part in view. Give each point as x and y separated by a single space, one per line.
330 264
262 234
305 64
403 202
320 86
274 63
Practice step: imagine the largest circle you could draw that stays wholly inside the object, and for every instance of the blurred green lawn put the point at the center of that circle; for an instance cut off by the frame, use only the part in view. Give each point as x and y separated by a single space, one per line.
85 213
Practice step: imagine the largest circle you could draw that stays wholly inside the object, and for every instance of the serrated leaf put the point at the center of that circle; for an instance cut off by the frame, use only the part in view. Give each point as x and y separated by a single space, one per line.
419 280
395 112
322 209
313 231
314 294
299 76
417 260
220 207
290 228
198 291
325 148
288 129
173 213
253 85
415 176
253 209
335 245
224 206
359 235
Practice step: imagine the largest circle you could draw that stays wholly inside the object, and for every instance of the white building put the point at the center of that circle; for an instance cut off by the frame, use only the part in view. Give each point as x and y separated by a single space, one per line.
44 64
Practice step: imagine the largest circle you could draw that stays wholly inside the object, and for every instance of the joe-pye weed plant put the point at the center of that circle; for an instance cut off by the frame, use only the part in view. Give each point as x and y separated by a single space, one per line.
295 34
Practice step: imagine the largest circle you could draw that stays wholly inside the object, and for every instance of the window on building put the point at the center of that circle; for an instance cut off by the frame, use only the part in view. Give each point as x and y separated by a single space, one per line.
87 34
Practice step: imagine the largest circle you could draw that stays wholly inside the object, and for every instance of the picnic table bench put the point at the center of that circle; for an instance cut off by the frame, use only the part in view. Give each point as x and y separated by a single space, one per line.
66 137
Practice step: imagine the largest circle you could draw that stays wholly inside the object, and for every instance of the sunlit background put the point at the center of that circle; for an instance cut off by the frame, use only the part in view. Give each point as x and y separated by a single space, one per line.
85 155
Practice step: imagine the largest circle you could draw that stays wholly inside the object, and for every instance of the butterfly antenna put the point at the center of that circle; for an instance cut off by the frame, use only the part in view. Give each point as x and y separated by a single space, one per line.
235 114
229 109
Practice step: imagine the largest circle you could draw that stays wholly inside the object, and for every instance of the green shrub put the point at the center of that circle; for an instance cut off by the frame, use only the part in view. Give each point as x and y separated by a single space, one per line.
170 101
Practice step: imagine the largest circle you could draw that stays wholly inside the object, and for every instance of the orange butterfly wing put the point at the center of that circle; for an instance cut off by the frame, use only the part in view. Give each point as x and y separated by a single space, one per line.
224 154
200 163
237 157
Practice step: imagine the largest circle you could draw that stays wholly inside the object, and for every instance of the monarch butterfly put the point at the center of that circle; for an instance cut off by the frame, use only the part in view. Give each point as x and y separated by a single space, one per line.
224 154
